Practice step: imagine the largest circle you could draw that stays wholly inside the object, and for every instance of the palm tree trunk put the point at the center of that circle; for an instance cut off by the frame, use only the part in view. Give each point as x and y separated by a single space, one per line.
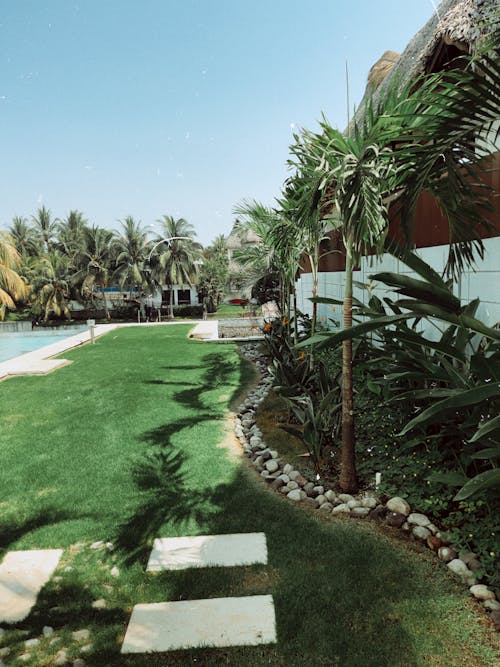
295 323
348 477
104 300
171 288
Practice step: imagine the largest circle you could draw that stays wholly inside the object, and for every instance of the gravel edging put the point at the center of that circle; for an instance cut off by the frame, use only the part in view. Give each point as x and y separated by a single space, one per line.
396 512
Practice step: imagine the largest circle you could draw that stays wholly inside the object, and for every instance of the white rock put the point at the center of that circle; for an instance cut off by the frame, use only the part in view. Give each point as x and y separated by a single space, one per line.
341 509
326 506
319 490
47 631
284 478
97 545
482 592
296 495
61 658
31 643
345 497
99 604
398 505
370 503
26 657
87 648
81 635
291 486
272 465
293 474
446 553
360 511
321 499
79 662
287 469
460 568
421 532
110 546
418 519
330 495
115 571
492 605
351 504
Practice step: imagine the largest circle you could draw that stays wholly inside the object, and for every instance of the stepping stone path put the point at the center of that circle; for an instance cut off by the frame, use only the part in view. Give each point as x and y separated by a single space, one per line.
22 575
163 626
180 553
167 626
217 622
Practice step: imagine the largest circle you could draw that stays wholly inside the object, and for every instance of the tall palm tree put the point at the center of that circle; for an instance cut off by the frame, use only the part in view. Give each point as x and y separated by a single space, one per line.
23 236
71 233
174 254
12 286
130 249
50 278
94 261
45 229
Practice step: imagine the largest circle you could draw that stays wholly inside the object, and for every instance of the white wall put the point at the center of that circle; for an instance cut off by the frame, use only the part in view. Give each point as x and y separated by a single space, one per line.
484 283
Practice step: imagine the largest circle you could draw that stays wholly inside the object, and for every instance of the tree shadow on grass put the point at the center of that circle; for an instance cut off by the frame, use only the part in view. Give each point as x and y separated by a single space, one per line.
338 589
164 497
13 529
163 434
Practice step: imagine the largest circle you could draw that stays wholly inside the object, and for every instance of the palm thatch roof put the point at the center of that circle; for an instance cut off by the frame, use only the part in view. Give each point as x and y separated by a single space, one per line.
456 27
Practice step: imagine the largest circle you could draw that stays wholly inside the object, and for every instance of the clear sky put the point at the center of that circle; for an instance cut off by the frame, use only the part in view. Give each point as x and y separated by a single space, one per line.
179 107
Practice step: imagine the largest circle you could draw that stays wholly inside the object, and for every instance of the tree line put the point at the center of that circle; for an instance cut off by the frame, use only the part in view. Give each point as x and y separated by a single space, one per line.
46 262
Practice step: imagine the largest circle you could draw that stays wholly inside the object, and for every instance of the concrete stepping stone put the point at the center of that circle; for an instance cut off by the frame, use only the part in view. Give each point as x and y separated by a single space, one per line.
217 622
22 575
180 553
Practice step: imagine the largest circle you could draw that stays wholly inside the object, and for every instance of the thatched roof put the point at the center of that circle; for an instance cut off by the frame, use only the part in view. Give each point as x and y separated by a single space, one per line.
457 25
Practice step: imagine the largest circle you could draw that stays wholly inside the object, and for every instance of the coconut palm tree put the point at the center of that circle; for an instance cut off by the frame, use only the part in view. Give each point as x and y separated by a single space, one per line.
71 234
50 278
12 286
23 236
130 249
45 229
174 254
94 260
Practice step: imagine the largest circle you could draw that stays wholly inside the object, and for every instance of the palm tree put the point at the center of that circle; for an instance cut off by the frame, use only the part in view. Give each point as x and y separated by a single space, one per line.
279 250
362 174
71 233
45 229
174 254
130 250
23 236
50 278
12 286
95 263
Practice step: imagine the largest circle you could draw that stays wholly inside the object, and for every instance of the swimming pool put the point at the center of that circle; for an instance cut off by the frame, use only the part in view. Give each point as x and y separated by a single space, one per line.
13 344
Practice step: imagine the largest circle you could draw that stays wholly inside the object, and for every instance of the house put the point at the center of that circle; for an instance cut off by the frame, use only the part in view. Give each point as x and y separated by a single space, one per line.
454 29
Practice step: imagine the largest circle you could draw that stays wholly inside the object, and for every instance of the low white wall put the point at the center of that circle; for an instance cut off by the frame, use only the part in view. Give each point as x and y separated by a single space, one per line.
484 283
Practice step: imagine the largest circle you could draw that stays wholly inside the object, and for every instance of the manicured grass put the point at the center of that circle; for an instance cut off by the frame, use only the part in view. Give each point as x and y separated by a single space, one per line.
227 310
125 444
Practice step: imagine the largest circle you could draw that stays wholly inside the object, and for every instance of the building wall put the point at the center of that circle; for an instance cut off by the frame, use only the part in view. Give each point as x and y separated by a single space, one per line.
484 283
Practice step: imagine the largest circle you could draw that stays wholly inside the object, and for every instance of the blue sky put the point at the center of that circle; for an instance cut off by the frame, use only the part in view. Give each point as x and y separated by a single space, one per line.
179 107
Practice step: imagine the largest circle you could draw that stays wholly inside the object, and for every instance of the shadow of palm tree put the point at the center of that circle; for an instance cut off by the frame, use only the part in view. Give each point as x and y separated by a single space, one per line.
13 529
160 479
163 434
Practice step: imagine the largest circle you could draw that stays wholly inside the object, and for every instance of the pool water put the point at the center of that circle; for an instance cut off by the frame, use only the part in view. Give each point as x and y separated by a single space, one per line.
12 344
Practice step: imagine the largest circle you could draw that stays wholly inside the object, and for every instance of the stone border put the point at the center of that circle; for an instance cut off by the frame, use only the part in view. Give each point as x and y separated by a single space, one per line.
396 512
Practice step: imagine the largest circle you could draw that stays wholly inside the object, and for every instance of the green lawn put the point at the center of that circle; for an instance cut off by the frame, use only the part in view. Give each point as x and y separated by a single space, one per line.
125 444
